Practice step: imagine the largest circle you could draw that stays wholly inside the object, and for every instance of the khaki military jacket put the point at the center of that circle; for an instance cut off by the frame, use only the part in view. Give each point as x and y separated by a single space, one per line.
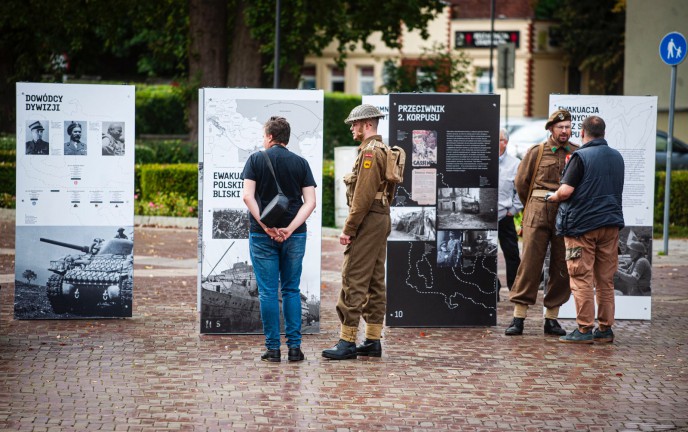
364 182
549 171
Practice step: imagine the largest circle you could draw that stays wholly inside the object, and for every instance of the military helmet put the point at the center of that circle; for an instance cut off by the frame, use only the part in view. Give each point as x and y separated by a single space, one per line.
361 112
636 246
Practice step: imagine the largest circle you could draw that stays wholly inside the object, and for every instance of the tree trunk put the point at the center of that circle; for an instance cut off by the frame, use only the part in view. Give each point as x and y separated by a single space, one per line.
207 51
245 68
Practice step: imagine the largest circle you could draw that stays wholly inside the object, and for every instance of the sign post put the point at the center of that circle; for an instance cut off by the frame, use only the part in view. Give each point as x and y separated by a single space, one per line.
506 56
672 51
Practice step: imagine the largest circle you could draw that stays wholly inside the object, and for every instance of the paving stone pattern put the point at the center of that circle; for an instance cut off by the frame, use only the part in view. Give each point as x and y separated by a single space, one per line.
155 372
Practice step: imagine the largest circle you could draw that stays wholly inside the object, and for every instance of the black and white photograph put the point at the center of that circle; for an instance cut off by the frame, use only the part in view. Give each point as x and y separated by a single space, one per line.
477 244
75 138
424 148
230 223
74 272
634 276
467 208
229 293
38 139
449 248
412 224
113 138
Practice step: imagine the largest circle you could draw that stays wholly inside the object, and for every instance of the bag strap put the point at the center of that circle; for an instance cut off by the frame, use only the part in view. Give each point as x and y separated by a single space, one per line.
532 180
267 158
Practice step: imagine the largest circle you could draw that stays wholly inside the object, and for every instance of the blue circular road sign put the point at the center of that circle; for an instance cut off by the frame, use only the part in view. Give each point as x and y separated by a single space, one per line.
672 48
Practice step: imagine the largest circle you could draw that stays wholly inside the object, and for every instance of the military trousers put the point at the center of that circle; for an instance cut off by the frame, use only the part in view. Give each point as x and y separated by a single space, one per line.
592 260
363 273
538 233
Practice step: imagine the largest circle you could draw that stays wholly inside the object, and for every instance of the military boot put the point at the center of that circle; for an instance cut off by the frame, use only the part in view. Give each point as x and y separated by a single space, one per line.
515 328
342 351
553 328
370 348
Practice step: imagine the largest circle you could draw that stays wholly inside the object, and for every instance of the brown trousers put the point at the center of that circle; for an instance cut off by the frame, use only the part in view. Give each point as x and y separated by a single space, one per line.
363 272
592 275
538 232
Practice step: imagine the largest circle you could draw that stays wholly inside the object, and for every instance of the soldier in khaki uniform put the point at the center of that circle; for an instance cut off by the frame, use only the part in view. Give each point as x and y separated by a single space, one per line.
541 169
365 236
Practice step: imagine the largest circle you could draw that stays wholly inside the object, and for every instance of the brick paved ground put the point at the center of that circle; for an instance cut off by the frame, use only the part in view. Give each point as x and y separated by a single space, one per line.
155 372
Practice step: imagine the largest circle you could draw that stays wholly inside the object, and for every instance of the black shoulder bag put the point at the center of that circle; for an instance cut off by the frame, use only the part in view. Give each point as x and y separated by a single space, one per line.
279 204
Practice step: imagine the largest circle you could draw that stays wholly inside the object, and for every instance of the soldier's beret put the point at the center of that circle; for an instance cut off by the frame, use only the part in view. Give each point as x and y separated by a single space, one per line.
557 116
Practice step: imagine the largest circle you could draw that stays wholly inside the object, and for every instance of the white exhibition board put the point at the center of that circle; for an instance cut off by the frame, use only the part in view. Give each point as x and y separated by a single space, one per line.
231 130
631 123
75 185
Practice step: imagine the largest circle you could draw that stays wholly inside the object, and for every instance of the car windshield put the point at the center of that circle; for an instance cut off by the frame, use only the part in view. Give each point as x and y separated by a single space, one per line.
117 247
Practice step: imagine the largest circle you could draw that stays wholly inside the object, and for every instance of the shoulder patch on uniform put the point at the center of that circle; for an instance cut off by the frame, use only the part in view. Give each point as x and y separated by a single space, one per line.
368 155
367 163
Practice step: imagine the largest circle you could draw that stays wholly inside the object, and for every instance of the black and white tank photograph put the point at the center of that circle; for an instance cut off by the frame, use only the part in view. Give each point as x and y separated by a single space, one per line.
412 224
74 272
230 223
467 208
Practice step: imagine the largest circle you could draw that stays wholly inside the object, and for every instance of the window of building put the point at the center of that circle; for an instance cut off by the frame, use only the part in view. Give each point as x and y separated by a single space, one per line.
336 80
425 80
366 80
307 80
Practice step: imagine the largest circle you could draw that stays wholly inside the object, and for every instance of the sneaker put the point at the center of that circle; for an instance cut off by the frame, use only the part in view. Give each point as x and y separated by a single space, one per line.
271 355
606 336
577 337
553 328
295 354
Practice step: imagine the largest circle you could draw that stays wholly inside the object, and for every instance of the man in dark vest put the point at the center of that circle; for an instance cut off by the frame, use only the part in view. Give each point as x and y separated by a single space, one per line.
589 217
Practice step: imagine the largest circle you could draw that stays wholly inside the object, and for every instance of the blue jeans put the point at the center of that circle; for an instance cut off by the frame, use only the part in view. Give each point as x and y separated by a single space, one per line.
279 265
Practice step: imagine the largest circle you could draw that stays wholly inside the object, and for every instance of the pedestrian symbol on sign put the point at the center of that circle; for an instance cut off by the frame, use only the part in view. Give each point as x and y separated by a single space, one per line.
672 48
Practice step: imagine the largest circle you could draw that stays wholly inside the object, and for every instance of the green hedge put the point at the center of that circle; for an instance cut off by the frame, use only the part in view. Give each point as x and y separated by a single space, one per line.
159 110
180 178
8 155
336 133
8 142
8 177
166 151
328 193
678 211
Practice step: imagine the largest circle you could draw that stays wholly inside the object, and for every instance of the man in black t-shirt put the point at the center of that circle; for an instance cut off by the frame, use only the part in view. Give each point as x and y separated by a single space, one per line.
277 252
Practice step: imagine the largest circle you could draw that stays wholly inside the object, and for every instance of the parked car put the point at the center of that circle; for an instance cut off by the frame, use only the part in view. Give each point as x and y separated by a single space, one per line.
526 136
679 153
534 133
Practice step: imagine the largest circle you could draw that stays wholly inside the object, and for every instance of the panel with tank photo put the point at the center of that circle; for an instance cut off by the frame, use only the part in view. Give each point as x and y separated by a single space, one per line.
467 208
412 224
113 138
75 138
634 276
424 148
230 223
229 293
73 272
38 138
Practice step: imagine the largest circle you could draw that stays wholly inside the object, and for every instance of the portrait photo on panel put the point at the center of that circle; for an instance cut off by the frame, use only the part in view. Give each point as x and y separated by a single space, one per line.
467 208
38 142
75 138
424 148
449 248
412 224
113 138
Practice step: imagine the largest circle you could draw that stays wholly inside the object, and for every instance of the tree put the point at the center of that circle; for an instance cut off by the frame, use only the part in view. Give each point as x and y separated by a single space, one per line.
592 36
437 69
29 275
